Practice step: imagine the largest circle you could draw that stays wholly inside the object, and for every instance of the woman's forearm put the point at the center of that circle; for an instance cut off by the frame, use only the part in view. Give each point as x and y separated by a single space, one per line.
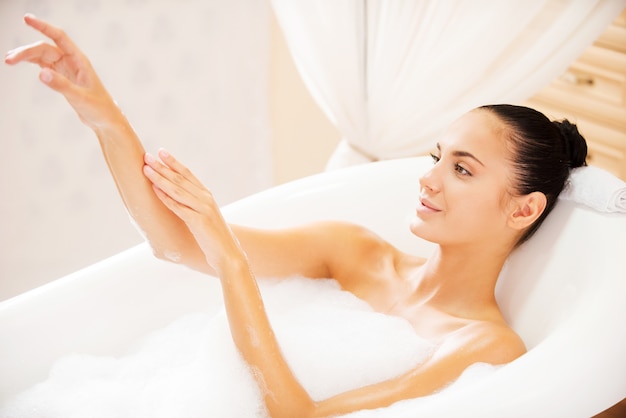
124 154
183 194
253 335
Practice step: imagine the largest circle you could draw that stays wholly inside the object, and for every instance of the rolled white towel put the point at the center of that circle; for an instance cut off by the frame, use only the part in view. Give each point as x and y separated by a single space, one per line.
596 188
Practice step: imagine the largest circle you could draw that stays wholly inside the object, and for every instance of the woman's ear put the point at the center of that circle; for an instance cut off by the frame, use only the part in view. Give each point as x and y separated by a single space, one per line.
526 210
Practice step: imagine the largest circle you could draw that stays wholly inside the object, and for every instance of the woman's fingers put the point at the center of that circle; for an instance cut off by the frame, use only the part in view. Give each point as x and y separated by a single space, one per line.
180 210
162 180
183 187
55 33
183 194
40 53
47 57
178 167
61 63
58 82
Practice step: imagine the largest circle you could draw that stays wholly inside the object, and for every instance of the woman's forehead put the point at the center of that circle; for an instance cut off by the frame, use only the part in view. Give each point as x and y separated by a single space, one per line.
477 129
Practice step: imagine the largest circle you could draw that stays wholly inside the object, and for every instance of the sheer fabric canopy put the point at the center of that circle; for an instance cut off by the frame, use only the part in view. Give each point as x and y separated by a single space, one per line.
392 74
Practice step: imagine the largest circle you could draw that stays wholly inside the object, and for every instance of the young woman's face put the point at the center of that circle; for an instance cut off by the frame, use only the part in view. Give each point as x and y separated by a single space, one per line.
464 197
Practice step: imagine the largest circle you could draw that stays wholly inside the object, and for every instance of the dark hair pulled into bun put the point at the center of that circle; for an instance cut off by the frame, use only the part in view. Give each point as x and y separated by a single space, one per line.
543 152
575 144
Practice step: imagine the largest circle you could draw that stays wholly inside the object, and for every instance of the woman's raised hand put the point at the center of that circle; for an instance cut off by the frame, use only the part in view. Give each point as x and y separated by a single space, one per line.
66 69
187 197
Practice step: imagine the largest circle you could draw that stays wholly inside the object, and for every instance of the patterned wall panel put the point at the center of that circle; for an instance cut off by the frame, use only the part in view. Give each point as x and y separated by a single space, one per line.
191 75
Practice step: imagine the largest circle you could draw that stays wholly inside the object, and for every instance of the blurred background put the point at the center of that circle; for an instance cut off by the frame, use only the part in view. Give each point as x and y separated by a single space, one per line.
210 80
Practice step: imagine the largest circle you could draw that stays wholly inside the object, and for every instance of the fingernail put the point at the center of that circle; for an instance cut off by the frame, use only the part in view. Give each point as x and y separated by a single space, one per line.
12 53
46 75
163 153
147 170
149 158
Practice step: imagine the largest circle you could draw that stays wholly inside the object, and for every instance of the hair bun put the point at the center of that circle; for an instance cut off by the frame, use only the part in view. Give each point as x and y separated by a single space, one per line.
575 143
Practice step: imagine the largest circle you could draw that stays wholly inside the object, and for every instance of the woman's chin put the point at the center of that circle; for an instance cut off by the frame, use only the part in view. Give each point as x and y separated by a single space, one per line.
426 230
418 227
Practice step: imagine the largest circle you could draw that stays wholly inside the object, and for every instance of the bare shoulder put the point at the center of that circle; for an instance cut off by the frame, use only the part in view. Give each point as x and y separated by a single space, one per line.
491 342
356 251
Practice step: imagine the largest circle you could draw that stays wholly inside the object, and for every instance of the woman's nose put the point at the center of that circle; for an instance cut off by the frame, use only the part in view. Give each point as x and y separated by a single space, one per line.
430 180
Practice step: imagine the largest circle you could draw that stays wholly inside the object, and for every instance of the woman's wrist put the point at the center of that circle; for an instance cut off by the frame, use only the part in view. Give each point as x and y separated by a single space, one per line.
234 264
112 124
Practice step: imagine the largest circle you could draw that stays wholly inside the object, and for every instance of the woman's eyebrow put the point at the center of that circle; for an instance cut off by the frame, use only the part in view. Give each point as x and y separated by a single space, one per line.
463 154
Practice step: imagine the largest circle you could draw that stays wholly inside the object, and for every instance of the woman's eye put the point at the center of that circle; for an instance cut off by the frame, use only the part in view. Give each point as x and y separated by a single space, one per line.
459 169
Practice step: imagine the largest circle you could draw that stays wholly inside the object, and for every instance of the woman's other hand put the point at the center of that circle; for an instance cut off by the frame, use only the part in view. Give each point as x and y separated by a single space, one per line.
66 69
187 197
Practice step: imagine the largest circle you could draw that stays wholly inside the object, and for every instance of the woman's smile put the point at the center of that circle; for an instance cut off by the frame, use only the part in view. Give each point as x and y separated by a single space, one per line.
426 207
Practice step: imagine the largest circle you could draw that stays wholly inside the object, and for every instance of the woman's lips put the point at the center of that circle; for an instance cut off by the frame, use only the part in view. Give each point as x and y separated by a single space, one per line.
427 206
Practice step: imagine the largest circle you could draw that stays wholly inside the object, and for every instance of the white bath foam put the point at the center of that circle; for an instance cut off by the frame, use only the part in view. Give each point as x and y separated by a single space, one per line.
332 340
188 369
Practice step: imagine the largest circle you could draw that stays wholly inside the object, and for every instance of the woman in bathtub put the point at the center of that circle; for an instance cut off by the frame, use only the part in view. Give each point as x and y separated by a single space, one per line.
497 173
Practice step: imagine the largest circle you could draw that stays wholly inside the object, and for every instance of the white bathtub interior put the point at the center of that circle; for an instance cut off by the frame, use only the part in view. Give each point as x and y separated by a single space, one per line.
563 292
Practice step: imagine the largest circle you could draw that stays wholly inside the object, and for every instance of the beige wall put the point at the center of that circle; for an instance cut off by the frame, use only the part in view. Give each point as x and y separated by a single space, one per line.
302 137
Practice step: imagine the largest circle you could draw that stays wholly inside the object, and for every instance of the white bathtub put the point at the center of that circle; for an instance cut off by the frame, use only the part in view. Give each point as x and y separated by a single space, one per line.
564 292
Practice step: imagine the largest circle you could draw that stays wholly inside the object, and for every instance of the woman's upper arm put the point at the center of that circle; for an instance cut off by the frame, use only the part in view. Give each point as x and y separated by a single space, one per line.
311 250
286 252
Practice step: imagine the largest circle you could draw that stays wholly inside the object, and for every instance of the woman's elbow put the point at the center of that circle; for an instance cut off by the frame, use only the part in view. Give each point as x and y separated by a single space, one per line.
165 254
186 258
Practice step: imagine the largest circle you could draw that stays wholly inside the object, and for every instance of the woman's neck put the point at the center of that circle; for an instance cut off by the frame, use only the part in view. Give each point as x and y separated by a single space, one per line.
460 279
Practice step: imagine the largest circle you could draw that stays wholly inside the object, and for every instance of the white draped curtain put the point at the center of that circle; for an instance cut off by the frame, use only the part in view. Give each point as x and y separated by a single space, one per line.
392 74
